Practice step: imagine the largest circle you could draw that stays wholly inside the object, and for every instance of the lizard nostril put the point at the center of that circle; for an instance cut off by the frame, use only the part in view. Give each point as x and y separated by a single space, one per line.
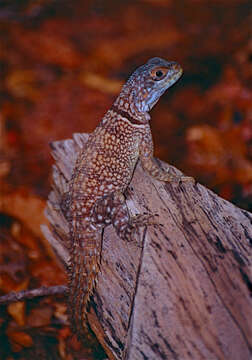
177 67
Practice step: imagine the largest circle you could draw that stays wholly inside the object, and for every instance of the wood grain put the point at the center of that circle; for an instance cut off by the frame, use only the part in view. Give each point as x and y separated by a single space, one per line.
182 288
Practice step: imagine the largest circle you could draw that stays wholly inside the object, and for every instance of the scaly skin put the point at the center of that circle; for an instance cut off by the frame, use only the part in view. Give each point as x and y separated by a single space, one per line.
104 170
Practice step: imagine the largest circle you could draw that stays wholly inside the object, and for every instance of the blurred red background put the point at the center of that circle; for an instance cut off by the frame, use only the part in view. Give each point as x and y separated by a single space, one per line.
62 64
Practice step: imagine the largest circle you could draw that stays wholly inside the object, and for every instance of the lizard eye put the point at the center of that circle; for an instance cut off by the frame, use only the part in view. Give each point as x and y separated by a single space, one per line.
158 73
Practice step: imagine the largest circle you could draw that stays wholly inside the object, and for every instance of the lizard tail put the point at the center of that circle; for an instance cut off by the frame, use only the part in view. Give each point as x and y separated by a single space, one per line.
85 256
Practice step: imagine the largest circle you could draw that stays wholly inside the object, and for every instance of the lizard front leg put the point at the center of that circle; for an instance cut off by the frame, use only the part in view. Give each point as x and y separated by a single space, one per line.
149 164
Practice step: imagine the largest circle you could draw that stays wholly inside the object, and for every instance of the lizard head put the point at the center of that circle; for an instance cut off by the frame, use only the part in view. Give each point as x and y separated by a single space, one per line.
145 86
158 75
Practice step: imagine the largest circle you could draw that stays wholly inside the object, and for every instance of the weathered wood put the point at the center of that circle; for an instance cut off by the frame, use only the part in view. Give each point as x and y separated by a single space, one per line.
181 289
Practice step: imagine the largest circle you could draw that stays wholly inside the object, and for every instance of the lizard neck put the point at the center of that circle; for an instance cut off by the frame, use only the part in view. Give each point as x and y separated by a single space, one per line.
132 119
125 106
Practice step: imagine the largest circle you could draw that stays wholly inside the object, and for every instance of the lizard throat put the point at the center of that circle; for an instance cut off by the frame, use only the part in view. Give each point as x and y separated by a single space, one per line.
126 115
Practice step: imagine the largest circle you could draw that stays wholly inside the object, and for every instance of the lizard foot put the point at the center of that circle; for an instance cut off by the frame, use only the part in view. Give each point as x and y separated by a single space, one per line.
128 230
167 177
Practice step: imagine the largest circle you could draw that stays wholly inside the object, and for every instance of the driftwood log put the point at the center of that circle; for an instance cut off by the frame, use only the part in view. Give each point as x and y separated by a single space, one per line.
182 288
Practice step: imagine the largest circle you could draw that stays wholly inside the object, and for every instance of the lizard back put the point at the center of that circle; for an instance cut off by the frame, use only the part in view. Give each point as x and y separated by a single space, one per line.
105 166
102 173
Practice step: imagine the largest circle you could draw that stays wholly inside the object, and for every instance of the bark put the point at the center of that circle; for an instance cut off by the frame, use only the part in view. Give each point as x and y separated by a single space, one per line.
181 289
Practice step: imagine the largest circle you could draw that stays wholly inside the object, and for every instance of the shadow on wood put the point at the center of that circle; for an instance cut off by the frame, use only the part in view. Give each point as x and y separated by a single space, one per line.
181 288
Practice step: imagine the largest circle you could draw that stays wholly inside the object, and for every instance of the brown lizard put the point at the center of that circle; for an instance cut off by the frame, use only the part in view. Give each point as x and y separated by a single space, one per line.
103 171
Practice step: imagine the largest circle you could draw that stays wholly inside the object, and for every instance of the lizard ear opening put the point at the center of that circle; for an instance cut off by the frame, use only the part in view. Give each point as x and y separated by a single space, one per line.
158 73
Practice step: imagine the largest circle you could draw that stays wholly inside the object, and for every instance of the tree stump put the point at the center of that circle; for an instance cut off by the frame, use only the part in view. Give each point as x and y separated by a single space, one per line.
181 289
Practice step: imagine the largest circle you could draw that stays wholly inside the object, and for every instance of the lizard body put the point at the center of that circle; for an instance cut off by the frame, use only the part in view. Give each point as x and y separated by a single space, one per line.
103 171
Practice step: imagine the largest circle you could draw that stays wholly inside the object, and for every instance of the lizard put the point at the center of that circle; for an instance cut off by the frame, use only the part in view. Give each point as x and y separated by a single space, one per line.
102 173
